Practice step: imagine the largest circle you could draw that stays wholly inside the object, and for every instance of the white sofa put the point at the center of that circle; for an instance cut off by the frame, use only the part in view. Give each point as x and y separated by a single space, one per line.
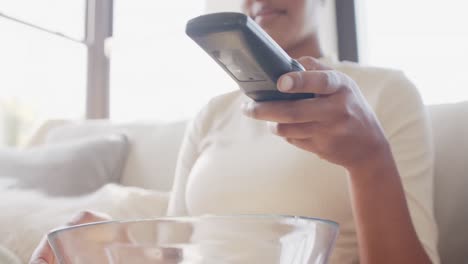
154 147
450 130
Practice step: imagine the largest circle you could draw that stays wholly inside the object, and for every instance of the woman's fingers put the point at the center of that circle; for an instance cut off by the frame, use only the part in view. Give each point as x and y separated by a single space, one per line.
307 144
319 82
298 111
43 254
295 131
88 217
312 64
318 78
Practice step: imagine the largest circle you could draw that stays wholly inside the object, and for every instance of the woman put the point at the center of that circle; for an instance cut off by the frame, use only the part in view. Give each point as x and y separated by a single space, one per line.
353 154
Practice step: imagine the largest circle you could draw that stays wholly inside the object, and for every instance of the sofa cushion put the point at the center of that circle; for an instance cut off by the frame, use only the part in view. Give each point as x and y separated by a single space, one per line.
8 257
450 128
23 222
153 155
66 169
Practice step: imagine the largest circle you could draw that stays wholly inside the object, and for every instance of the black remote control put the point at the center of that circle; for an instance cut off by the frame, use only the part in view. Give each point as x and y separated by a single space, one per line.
246 52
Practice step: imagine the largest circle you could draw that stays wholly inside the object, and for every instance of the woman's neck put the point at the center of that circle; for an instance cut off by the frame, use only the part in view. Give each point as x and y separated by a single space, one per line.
309 46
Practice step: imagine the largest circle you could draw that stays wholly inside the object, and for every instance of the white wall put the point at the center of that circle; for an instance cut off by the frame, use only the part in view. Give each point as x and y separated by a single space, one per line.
328 30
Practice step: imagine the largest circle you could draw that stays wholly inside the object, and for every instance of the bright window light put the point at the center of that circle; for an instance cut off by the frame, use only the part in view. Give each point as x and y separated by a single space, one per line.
428 40
43 77
65 17
157 72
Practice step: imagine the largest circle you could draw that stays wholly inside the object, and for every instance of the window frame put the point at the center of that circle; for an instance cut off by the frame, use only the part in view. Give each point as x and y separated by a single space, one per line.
98 28
347 30
99 21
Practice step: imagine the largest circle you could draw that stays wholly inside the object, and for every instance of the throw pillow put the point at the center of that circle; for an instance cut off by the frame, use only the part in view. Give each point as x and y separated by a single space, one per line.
69 168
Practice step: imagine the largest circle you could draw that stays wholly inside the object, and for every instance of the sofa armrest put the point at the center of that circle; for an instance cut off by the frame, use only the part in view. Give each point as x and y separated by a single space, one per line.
450 129
39 136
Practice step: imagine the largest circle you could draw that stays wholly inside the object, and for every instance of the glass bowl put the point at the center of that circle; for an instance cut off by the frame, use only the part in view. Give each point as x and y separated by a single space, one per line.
206 239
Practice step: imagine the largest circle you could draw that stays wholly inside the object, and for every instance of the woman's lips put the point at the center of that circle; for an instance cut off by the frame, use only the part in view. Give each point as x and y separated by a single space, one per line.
266 15
267 11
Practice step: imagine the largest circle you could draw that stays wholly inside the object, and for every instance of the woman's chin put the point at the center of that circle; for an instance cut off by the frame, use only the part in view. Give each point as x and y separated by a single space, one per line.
267 20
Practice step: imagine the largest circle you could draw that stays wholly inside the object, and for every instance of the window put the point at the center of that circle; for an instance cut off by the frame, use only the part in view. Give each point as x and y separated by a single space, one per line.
43 75
64 17
428 40
157 72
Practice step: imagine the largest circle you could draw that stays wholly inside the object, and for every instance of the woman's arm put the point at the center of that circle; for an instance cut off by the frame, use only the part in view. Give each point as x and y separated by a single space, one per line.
340 126
384 228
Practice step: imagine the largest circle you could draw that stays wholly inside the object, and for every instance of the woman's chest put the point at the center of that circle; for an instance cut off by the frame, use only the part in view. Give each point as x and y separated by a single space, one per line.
254 172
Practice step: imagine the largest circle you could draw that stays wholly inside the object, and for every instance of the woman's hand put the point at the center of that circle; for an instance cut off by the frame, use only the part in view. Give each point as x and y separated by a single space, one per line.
338 125
43 253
